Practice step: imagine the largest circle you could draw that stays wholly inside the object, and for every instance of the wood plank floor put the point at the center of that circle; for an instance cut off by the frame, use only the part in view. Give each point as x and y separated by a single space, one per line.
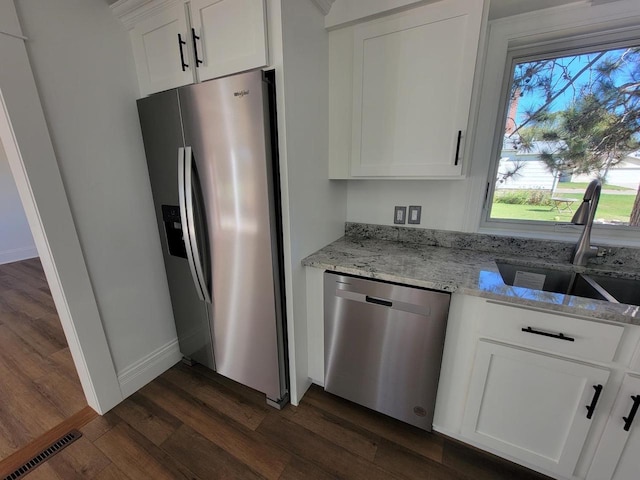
16 460
191 423
39 386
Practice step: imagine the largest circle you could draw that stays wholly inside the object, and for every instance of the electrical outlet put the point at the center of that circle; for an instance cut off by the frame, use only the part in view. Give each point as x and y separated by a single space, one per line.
415 212
400 215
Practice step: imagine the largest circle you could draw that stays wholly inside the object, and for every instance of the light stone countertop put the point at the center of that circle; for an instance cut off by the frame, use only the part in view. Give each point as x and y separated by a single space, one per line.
462 271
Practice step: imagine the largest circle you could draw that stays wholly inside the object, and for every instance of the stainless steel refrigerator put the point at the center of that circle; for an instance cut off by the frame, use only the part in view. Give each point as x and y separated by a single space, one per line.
212 157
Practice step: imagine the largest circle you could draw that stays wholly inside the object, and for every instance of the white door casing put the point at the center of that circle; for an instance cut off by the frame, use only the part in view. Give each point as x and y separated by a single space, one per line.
25 138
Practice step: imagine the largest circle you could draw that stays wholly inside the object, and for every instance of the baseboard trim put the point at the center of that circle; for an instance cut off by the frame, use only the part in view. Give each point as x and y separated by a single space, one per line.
137 375
303 386
17 254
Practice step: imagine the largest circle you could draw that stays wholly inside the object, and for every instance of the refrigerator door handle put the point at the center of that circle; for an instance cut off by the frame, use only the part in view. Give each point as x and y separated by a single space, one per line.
186 215
191 224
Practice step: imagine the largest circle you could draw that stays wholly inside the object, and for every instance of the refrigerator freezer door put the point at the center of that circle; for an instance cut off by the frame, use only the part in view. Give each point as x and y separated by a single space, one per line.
163 136
225 125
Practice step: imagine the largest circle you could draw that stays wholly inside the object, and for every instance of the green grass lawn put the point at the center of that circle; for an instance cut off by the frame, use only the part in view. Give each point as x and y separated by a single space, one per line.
611 207
583 186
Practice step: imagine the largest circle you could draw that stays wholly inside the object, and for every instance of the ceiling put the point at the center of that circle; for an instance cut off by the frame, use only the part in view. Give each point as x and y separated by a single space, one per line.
506 8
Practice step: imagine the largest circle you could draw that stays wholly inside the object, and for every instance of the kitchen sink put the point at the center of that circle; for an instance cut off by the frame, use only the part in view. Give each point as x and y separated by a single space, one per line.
585 286
599 287
558 281
624 290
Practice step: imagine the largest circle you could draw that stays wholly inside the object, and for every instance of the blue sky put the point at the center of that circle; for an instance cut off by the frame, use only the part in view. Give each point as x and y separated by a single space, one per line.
573 64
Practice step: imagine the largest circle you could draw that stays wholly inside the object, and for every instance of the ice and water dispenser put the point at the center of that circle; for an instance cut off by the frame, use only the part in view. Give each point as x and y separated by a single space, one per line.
173 230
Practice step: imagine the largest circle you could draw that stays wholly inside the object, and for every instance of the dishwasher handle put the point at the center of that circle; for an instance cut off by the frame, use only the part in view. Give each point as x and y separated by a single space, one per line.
424 310
378 301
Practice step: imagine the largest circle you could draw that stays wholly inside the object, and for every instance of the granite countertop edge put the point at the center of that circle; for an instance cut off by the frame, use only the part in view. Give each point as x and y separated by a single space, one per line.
466 272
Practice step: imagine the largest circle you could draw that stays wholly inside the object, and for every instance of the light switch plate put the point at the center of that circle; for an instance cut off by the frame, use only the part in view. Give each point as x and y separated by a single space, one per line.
400 215
415 212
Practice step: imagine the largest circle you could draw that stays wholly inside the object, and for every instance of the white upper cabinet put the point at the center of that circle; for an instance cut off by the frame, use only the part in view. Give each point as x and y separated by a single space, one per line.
410 97
232 36
161 50
178 42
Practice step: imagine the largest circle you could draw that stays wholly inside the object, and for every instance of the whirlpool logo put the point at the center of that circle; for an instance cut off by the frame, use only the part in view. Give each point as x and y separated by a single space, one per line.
241 93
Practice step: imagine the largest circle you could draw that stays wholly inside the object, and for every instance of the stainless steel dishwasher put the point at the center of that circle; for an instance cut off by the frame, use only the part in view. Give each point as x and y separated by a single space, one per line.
383 345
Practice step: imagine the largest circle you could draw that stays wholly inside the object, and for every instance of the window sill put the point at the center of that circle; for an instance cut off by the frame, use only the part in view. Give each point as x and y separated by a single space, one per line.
609 236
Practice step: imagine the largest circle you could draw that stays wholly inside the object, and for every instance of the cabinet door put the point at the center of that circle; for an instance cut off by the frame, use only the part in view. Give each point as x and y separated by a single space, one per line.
617 454
412 82
162 58
232 36
531 406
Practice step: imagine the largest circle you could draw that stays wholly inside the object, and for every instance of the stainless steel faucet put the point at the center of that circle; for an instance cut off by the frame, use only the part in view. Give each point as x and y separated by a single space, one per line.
584 216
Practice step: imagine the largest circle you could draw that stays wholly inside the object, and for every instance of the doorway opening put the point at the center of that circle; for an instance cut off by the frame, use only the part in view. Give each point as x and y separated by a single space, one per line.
40 384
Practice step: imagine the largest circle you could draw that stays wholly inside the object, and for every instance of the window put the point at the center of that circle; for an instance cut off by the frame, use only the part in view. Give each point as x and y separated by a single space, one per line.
569 117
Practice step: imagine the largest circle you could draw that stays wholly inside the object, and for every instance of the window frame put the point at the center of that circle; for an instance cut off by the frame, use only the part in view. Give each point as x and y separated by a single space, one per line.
528 54
570 28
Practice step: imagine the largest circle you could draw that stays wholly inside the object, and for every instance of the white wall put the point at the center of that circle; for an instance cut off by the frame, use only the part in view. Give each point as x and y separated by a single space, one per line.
83 65
444 202
316 209
457 205
346 11
16 242
27 145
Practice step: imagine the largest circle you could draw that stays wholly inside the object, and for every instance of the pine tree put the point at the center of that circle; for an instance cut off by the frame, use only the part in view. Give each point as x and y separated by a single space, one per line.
600 124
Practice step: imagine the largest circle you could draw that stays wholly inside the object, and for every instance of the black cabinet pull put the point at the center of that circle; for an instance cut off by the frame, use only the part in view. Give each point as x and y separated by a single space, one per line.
632 414
180 44
195 37
379 301
594 401
559 336
458 148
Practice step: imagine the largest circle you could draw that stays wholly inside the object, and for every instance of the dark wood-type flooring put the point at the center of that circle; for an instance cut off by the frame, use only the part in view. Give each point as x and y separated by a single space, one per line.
39 386
191 423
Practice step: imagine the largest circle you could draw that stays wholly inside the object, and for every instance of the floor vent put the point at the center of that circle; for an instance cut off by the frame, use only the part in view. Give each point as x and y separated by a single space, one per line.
44 455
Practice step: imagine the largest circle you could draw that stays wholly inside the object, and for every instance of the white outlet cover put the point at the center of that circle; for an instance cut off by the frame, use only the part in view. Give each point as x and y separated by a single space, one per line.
400 215
415 212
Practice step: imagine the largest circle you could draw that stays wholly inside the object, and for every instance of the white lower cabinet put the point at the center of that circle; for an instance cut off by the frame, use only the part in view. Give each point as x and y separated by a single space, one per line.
531 406
619 447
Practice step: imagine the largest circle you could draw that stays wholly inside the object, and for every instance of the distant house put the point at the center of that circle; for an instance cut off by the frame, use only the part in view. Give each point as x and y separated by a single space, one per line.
625 174
532 173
